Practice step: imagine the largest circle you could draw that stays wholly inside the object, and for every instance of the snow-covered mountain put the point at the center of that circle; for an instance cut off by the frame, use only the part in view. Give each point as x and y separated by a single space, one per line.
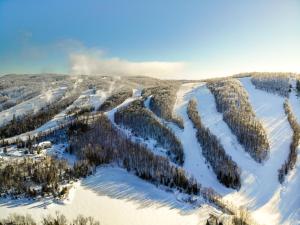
139 150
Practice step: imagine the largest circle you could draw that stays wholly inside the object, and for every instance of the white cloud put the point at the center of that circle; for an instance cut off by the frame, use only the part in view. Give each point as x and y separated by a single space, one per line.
97 64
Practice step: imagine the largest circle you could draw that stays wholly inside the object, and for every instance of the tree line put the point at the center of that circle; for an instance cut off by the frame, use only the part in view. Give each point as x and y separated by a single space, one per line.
289 164
224 167
162 100
32 177
57 219
277 83
115 99
142 123
232 100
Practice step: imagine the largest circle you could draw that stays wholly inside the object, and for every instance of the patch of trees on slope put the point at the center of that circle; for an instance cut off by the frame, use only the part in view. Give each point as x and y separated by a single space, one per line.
115 99
232 101
277 83
289 164
225 168
58 219
32 177
103 144
30 122
143 123
162 101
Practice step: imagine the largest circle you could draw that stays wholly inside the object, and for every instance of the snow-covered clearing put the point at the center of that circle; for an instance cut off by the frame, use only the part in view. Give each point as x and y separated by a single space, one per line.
32 105
114 197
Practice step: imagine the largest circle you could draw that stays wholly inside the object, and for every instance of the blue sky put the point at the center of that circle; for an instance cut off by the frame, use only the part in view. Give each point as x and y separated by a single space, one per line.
192 38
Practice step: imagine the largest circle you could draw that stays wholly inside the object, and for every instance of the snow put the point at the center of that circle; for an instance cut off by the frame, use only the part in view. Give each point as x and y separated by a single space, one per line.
289 202
194 162
114 197
111 114
32 105
261 192
89 97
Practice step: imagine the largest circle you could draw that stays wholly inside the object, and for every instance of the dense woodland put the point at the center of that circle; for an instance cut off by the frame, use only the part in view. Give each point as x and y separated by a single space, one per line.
162 100
225 168
58 219
278 83
143 123
232 100
289 164
115 99
33 177
30 122
103 144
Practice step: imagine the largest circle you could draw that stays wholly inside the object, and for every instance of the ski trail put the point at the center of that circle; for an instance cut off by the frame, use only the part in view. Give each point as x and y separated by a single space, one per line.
194 162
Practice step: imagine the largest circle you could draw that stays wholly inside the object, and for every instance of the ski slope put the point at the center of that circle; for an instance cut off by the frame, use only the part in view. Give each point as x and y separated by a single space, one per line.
260 192
114 197
194 162
32 105
87 98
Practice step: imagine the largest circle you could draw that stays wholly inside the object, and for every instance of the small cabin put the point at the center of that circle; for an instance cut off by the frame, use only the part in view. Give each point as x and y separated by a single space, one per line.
42 145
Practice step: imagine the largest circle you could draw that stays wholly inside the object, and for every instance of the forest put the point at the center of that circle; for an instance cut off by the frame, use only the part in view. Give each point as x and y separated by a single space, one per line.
224 167
58 219
277 83
103 143
289 164
232 100
142 123
115 99
162 100
33 177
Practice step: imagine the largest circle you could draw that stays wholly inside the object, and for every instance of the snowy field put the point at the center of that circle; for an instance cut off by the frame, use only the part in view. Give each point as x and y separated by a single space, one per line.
115 197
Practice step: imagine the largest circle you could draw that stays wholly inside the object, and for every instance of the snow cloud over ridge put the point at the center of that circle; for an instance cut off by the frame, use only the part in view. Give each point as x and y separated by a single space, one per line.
98 64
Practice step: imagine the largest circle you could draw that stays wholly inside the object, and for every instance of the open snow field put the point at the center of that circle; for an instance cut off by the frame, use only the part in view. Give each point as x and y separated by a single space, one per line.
115 197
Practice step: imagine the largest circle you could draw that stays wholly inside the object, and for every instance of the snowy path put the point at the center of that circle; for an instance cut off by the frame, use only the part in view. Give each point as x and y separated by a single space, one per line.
115 197
194 162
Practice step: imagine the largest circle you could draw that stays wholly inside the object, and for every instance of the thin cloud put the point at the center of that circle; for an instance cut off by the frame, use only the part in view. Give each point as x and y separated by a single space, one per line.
98 64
